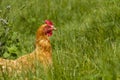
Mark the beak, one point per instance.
(54, 28)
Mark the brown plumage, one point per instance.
(42, 52)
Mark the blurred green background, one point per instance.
(86, 45)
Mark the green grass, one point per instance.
(86, 45)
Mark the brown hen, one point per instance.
(42, 53)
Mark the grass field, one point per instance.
(86, 45)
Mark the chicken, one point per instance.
(41, 54)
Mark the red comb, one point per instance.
(49, 23)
